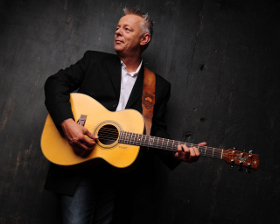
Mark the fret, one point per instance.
(125, 137)
(160, 143)
(148, 140)
(128, 137)
(166, 147)
(141, 139)
(133, 139)
(144, 140)
(157, 143)
(120, 138)
(152, 141)
(161, 146)
(213, 152)
(166, 144)
(205, 149)
(136, 138)
(176, 144)
(172, 145)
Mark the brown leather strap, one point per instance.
(148, 99)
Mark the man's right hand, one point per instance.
(75, 135)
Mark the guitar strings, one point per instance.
(164, 144)
(111, 134)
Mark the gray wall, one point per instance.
(222, 60)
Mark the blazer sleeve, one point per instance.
(159, 127)
(59, 86)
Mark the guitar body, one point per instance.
(99, 121)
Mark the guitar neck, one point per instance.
(166, 144)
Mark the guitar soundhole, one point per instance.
(108, 134)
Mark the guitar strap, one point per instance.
(148, 99)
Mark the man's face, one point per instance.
(128, 35)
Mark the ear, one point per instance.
(145, 39)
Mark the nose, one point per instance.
(119, 32)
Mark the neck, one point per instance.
(165, 144)
(131, 63)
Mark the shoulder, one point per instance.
(162, 81)
(100, 55)
(97, 57)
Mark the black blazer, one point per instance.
(99, 76)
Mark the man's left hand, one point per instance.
(187, 154)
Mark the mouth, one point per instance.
(118, 41)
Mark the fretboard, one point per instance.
(165, 144)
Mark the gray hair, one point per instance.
(147, 25)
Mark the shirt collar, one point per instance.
(132, 73)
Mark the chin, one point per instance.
(118, 49)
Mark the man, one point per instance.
(116, 81)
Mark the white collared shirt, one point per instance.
(127, 82)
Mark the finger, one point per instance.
(203, 143)
(90, 139)
(179, 148)
(194, 152)
(184, 153)
(179, 154)
(184, 149)
(90, 135)
(88, 142)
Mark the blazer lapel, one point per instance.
(137, 88)
(114, 69)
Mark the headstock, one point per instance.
(243, 159)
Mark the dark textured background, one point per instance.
(222, 58)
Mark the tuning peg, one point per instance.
(240, 167)
(251, 152)
(232, 162)
(249, 166)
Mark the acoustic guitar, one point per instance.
(120, 137)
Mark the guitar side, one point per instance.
(58, 151)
